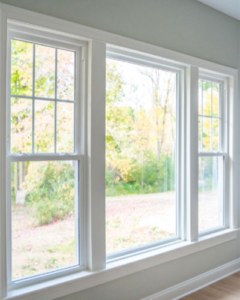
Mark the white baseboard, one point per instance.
(192, 285)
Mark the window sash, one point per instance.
(45, 42)
(221, 113)
(44, 157)
(79, 231)
(42, 98)
(201, 154)
(224, 202)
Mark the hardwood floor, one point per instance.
(225, 289)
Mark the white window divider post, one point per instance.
(192, 154)
(3, 237)
(96, 156)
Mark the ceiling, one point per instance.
(229, 7)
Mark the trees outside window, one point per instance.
(140, 155)
(43, 190)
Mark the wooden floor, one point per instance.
(225, 289)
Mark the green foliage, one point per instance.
(50, 190)
(21, 64)
(139, 151)
(150, 177)
(138, 161)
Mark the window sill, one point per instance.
(73, 283)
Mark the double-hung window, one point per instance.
(43, 162)
(212, 158)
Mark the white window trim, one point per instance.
(192, 153)
(63, 286)
(97, 41)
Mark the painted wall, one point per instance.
(185, 26)
(143, 284)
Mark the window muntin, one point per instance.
(44, 78)
(44, 183)
(141, 156)
(211, 163)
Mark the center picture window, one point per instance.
(141, 154)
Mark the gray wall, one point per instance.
(185, 26)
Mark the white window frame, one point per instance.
(223, 150)
(140, 59)
(38, 37)
(98, 272)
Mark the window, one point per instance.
(43, 164)
(211, 156)
(141, 156)
(109, 191)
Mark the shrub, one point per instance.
(143, 176)
(50, 190)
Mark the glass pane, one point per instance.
(200, 133)
(65, 75)
(65, 127)
(21, 68)
(45, 72)
(43, 217)
(215, 134)
(206, 134)
(207, 94)
(215, 99)
(44, 126)
(200, 97)
(21, 125)
(210, 192)
(140, 155)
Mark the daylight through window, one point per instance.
(43, 181)
(141, 166)
(211, 157)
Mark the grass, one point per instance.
(38, 249)
(135, 220)
(114, 190)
